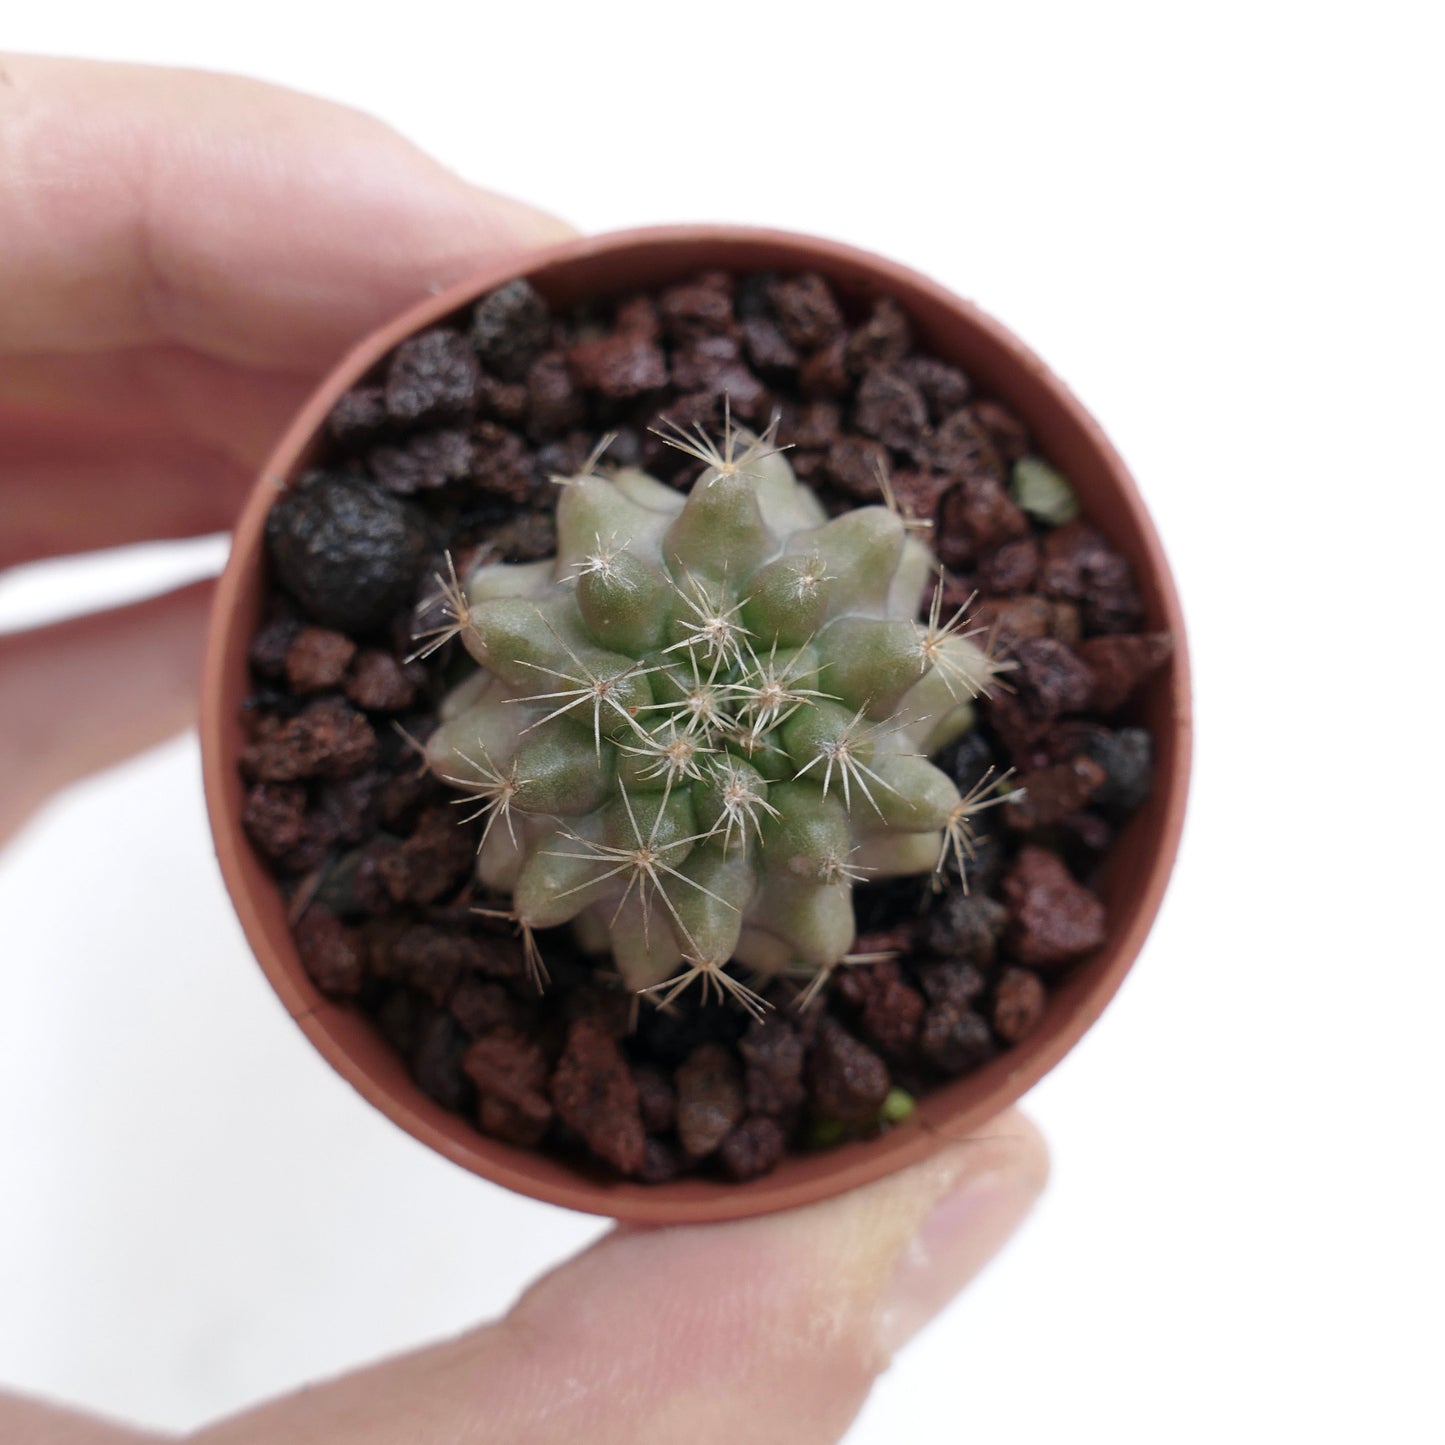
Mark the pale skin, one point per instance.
(183, 257)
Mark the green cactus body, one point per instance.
(700, 724)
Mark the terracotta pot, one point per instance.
(1135, 872)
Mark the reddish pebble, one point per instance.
(753, 1149)
(594, 1094)
(433, 960)
(815, 424)
(944, 388)
(510, 1072)
(317, 659)
(433, 861)
(1014, 619)
(709, 1098)
(854, 464)
(1007, 433)
(327, 738)
(974, 517)
(333, 955)
(379, 683)
(656, 1098)
(1019, 1000)
(480, 1006)
(891, 1010)
(1121, 663)
(503, 401)
(825, 372)
(805, 310)
(1050, 679)
(422, 462)
(773, 1065)
(553, 401)
(1011, 568)
(766, 346)
(962, 446)
(637, 316)
(888, 406)
(953, 1038)
(1053, 919)
(618, 366)
(697, 308)
(1046, 795)
(1023, 735)
(918, 491)
(524, 1122)
(883, 339)
(1077, 560)
(502, 463)
(847, 1081)
(275, 817)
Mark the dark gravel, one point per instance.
(453, 439)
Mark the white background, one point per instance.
(1219, 224)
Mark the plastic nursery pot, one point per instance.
(1131, 881)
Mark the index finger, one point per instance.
(140, 205)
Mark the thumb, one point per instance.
(766, 1330)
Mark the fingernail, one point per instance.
(966, 1228)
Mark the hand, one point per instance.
(184, 256)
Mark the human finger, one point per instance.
(76, 489)
(80, 695)
(29, 1422)
(769, 1330)
(246, 221)
(152, 390)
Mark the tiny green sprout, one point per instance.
(825, 1133)
(1042, 492)
(695, 731)
(898, 1105)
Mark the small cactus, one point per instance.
(698, 726)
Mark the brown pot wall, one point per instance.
(1136, 870)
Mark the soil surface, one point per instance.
(448, 446)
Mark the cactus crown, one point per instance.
(698, 726)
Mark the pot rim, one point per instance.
(947, 1113)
